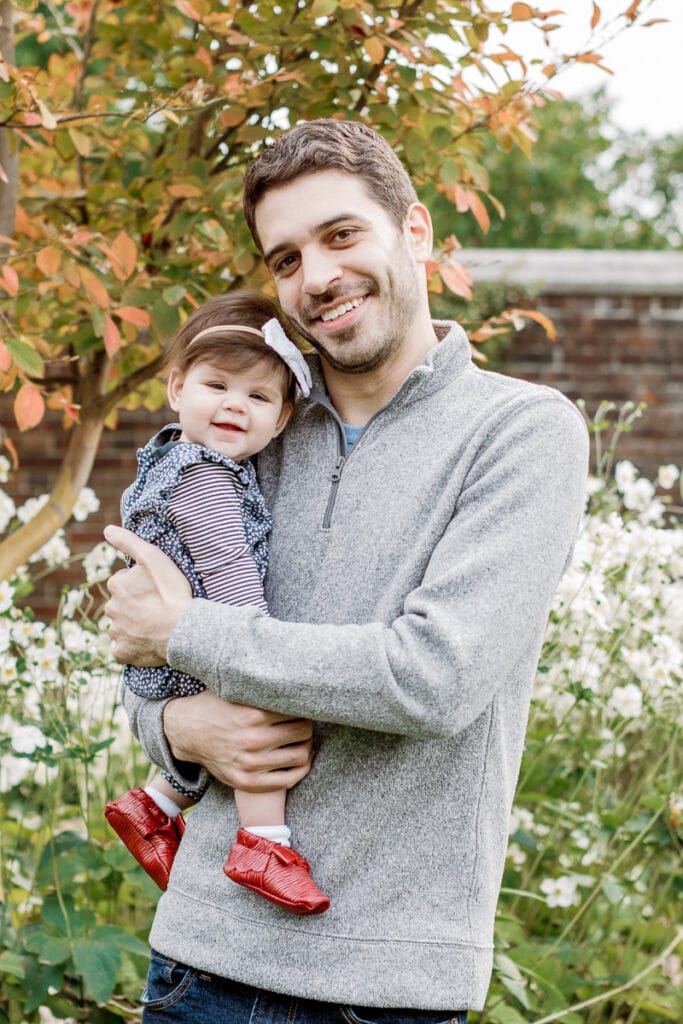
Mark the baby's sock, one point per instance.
(276, 833)
(168, 806)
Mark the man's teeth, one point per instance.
(334, 314)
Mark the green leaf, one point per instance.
(12, 963)
(26, 358)
(97, 961)
(51, 949)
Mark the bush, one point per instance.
(588, 927)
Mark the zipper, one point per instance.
(335, 477)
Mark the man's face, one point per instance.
(347, 276)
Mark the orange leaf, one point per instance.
(480, 212)
(10, 280)
(48, 260)
(596, 15)
(521, 12)
(184, 191)
(632, 12)
(5, 358)
(540, 318)
(374, 49)
(94, 288)
(112, 338)
(133, 315)
(457, 278)
(29, 407)
(126, 251)
(188, 9)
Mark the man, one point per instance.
(409, 585)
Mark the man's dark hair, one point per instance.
(325, 145)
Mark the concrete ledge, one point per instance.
(579, 271)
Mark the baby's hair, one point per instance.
(235, 350)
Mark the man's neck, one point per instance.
(358, 396)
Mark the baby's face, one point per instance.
(233, 412)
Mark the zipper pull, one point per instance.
(337, 469)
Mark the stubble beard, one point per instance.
(401, 299)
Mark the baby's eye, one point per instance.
(216, 385)
(258, 397)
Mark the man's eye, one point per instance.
(344, 234)
(285, 264)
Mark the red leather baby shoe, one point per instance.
(151, 836)
(275, 872)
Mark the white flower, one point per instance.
(638, 495)
(27, 738)
(627, 701)
(98, 562)
(7, 510)
(5, 467)
(522, 819)
(559, 892)
(8, 669)
(55, 552)
(71, 602)
(31, 508)
(516, 854)
(23, 631)
(86, 503)
(6, 595)
(625, 474)
(667, 476)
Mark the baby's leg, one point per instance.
(169, 799)
(262, 860)
(263, 814)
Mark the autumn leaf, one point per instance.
(189, 10)
(94, 288)
(374, 49)
(533, 314)
(126, 252)
(596, 15)
(10, 280)
(5, 358)
(457, 278)
(184, 191)
(29, 407)
(133, 315)
(112, 338)
(521, 12)
(48, 260)
(48, 119)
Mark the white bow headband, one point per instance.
(275, 338)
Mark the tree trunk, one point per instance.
(9, 153)
(74, 473)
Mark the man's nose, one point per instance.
(320, 270)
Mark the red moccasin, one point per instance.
(275, 872)
(151, 836)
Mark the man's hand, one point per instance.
(146, 600)
(244, 747)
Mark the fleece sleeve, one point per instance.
(480, 608)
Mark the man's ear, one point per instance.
(283, 419)
(174, 389)
(418, 228)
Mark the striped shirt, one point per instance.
(206, 510)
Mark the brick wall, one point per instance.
(619, 320)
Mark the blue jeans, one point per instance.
(185, 995)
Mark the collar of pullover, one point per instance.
(448, 359)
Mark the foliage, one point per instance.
(587, 184)
(134, 125)
(588, 928)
